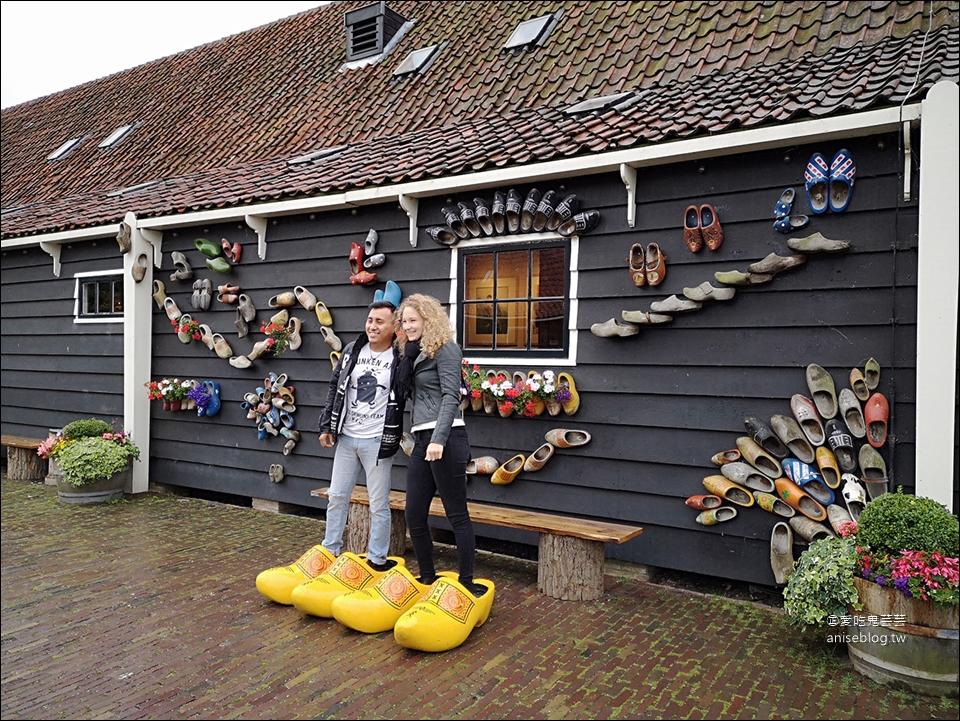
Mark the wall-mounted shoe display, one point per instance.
(692, 231)
(790, 223)
(851, 413)
(818, 243)
(716, 515)
(498, 212)
(781, 552)
(840, 442)
(545, 211)
(810, 530)
(231, 252)
(369, 244)
(529, 210)
(675, 304)
(876, 413)
(454, 223)
(507, 472)
(184, 271)
(785, 203)
(469, 220)
(614, 328)
(655, 263)
(207, 247)
(482, 212)
(822, 391)
(843, 172)
(710, 227)
(138, 270)
(579, 224)
(637, 262)
(565, 210)
(815, 179)
(774, 263)
(704, 502)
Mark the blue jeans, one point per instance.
(352, 456)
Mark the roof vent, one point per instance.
(369, 29)
(532, 33)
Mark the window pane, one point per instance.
(550, 273)
(117, 296)
(512, 274)
(511, 319)
(104, 297)
(548, 325)
(89, 298)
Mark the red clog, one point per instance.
(364, 277)
(704, 502)
(710, 227)
(876, 413)
(356, 259)
(692, 233)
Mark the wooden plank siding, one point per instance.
(658, 404)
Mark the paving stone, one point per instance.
(147, 609)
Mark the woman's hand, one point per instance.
(434, 452)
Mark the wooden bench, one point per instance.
(571, 550)
(23, 463)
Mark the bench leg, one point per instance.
(570, 569)
(23, 464)
(357, 535)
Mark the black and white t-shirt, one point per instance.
(367, 394)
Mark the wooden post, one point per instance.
(358, 530)
(23, 464)
(570, 569)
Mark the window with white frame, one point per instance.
(100, 297)
(514, 299)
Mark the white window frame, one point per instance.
(570, 359)
(79, 279)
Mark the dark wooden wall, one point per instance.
(54, 370)
(658, 404)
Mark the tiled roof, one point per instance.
(217, 124)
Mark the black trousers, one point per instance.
(446, 477)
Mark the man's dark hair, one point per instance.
(381, 304)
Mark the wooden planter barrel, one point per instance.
(100, 491)
(921, 654)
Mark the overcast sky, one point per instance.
(52, 46)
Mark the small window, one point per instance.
(531, 33)
(65, 148)
(514, 299)
(116, 136)
(101, 297)
(418, 61)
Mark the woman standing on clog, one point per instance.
(430, 372)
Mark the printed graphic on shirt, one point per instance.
(367, 394)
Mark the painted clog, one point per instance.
(278, 583)
(444, 618)
(793, 495)
(506, 473)
(349, 573)
(207, 247)
(728, 490)
(876, 414)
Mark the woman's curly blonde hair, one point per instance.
(437, 330)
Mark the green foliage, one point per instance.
(897, 522)
(93, 458)
(821, 584)
(89, 428)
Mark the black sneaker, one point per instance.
(381, 567)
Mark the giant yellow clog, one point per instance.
(277, 583)
(444, 617)
(377, 607)
(349, 573)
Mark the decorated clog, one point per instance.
(349, 573)
(444, 617)
(378, 607)
(277, 583)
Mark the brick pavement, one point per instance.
(147, 609)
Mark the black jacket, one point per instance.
(331, 419)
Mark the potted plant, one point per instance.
(92, 456)
(907, 577)
(888, 589)
(172, 391)
(474, 377)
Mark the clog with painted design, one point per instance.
(378, 607)
(277, 583)
(444, 617)
(349, 573)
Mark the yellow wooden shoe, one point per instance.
(277, 583)
(444, 617)
(572, 405)
(349, 573)
(376, 608)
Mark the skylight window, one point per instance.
(116, 136)
(65, 148)
(317, 155)
(418, 61)
(531, 33)
(131, 189)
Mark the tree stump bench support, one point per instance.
(23, 463)
(571, 550)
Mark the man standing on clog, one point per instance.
(363, 418)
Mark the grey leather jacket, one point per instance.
(436, 390)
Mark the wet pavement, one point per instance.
(147, 609)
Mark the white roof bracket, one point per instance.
(628, 174)
(907, 161)
(259, 225)
(411, 206)
(53, 250)
(154, 238)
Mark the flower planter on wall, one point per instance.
(922, 654)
